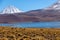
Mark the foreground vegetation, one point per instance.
(10, 33)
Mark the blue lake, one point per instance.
(33, 24)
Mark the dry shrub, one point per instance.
(3, 38)
(42, 38)
(27, 39)
(57, 38)
(10, 33)
(19, 38)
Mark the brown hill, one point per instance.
(31, 16)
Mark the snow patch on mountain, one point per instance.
(10, 10)
(55, 6)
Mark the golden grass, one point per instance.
(10, 33)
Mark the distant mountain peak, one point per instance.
(10, 10)
(58, 1)
(55, 6)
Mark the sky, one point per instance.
(26, 5)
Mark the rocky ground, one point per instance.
(10, 33)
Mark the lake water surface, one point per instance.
(33, 24)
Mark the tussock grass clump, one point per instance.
(10, 33)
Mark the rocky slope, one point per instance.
(31, 16)
(51, 13)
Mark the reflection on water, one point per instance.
(33, 24)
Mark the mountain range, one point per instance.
(12, 14)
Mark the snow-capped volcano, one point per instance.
(55, 6)
(10, 10)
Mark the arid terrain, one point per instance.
(31, 16)
(10, 33)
